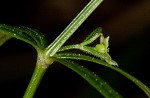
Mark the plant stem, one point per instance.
(35, 80)
(72, 27)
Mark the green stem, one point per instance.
(35, 80)
(72, 27)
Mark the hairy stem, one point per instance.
(72, 27)
(35, 80)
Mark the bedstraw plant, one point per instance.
(57, 52)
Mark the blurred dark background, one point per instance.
(127, 22)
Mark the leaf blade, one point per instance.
(31, 36)
(141, 85)
(93, 36)
(97, 82)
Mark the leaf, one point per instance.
(3, 38)
(101, 85)
(95, 60)
(93, 36)
(35, 34)
(31, 36)
(69, 55)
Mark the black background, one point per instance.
(126, 22)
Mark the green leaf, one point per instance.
(95, 60)
(101, 85)
(3, 38)
(93, 36)
(31, 36)
(36, 35)
(69, 55)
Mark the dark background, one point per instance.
(127, 22)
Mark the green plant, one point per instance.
(56, 52)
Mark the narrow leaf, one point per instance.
(95, 60)
(68, 47)
(101, 85)
(68, 55)
(31, 36)
(93, 36)
(35, 34)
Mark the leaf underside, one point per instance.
(31, 36)
(101, 85)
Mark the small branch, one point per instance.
(72, 27)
